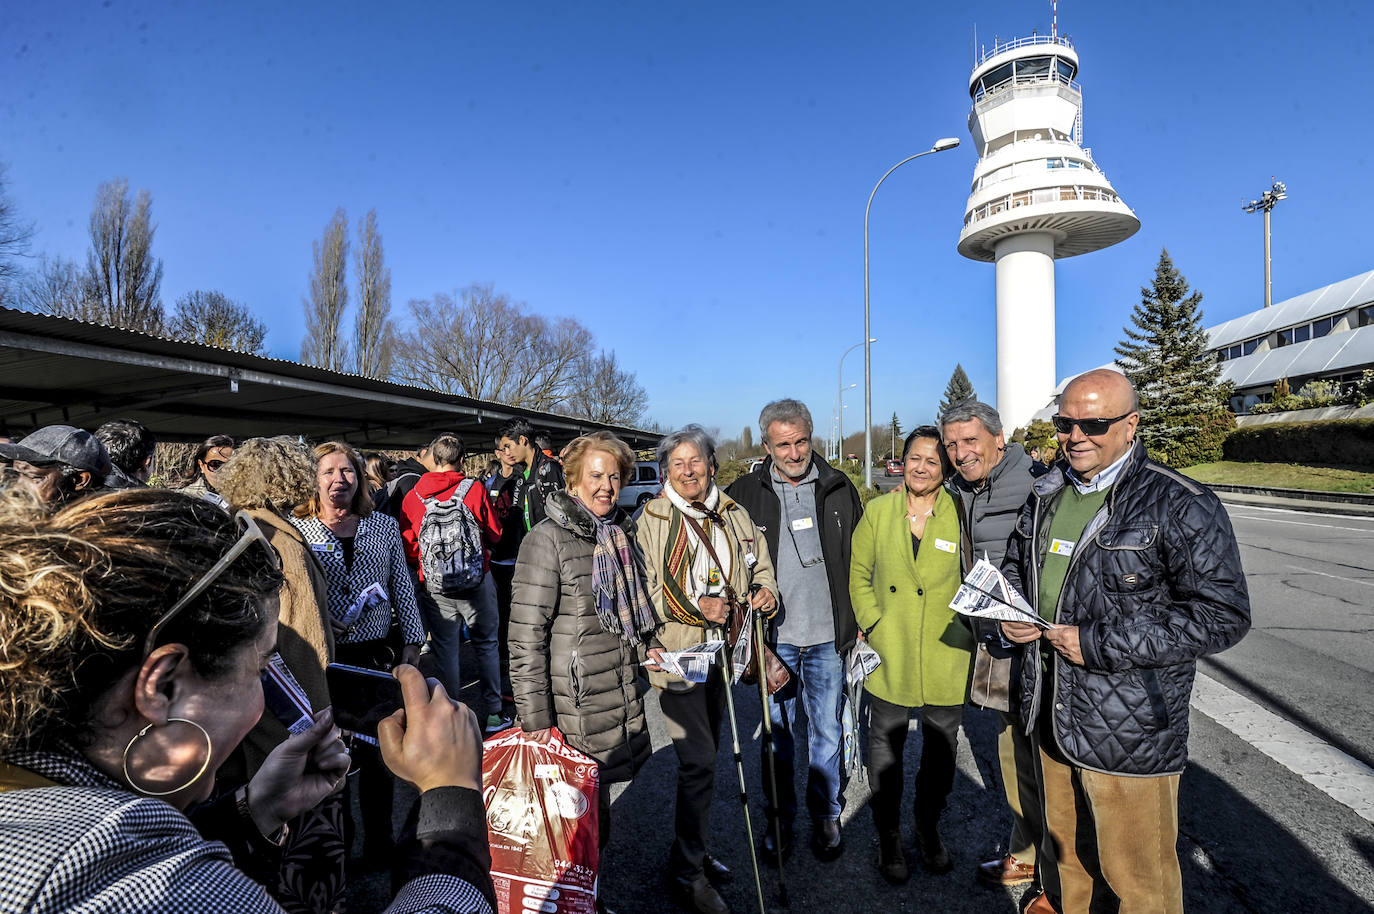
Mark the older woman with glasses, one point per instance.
(369, 589)
(908, 556)
(136, 626)
(699, 547)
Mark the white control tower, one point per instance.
(1037, 196)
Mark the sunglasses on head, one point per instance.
(252, 533)
(1091, 427)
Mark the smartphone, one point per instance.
(361, 697)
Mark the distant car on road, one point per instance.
(644, 486)
(755, 464)
(894, 468)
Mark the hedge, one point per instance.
(1343, 442)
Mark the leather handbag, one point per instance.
(776, 673)
(989, 685)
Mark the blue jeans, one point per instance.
(820, 672)
(444, 617)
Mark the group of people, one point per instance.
(119, 674)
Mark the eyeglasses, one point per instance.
(1091, 427)
(252, 533)
(214, 465)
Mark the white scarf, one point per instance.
(699, 581)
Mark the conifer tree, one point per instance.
(1183, 404)
(959, 389)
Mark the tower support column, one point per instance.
(1025, 326)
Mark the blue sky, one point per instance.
(689, 179)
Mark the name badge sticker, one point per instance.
(322, 547)
(750, 560)
(803, 523)
(1062, 547)
(945, 546)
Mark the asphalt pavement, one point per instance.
(1268, 821)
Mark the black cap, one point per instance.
(62, 444)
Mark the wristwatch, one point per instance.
(277, 838)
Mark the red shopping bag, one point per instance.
(541, 824)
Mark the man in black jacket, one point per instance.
(807, 511)
(1137, 572)
(993, 480)
(542, 477)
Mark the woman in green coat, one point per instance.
(908, 557)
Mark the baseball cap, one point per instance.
(62, 444)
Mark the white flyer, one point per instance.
(693, 663)
(985, 594)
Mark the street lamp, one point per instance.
(837, 419)
(839, 379)
(941, 145)
(1266, 203)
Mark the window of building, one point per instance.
(1322, 327)
(1286, 337)
(1367, 315)
(1250, 346)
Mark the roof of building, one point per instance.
(1309, 306)
(55, 370)
(1328, 354)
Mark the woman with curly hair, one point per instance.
(136, 626)
(267, 478)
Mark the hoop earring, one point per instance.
(209, 751)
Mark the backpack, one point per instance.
(450, 544)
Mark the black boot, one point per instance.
(769, 849)
(698, 896)
(934, 856)
(891, 858)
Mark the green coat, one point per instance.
(902, 602)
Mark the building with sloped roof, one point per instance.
(1326, 334)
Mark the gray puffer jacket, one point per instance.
(566, 670)
(1154, 583)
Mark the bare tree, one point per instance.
(374, 332)
(214, 319)
(608, 393)
(324, 309)
(123, 281)
(57, 287)
(15, 235)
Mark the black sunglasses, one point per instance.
(1091, 427)
(214, 464)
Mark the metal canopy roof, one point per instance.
(55, 370)
(1335, 352)
(1333, 299)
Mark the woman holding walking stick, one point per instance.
(699, 546)
(907, 560)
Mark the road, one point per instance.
(1256, 835)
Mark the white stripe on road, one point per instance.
(1346, 780)
(1298, 523)
(1325, 575)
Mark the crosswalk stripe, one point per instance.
(1341, 777)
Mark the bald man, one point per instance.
(1136, 570)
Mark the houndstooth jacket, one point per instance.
(89, 846)
(378, 558)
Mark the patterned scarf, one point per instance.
(689, 573)
(622, 600)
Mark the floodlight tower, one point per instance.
(1037, 196)
(1265, 204)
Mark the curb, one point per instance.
(1348, 504)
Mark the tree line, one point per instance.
(474, 341)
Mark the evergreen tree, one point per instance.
(957, 390)
(1183, 404)
(894, 436)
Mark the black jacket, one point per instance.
(545, 478)
(1154, 583)
(839, 510)
(389, 497)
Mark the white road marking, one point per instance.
(1325, 575)
(1341, 777)
(1298, 523)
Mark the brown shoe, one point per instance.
(1040, 904)
(1006, 871)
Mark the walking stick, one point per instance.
(739, 766)
(772, 752)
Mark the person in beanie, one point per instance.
(59, 463)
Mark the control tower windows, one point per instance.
(1025, 70)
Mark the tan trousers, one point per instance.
(1110, 841)
(1016, 754)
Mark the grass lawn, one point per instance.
(1284, 476)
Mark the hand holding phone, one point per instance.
(433, 741)
(361, 697)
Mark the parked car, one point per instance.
(645, 485)
(894, 468)
(755, 464)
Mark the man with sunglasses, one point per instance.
(1136, 572)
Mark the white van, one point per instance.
(645, 485)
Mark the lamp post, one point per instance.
(837, 421)
(839, 398)
(941, 145)
(1266, 203)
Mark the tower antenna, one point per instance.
(1054, 19)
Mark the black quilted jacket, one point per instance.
(1154, 583)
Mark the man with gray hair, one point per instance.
(993, 480)
(807, 511)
